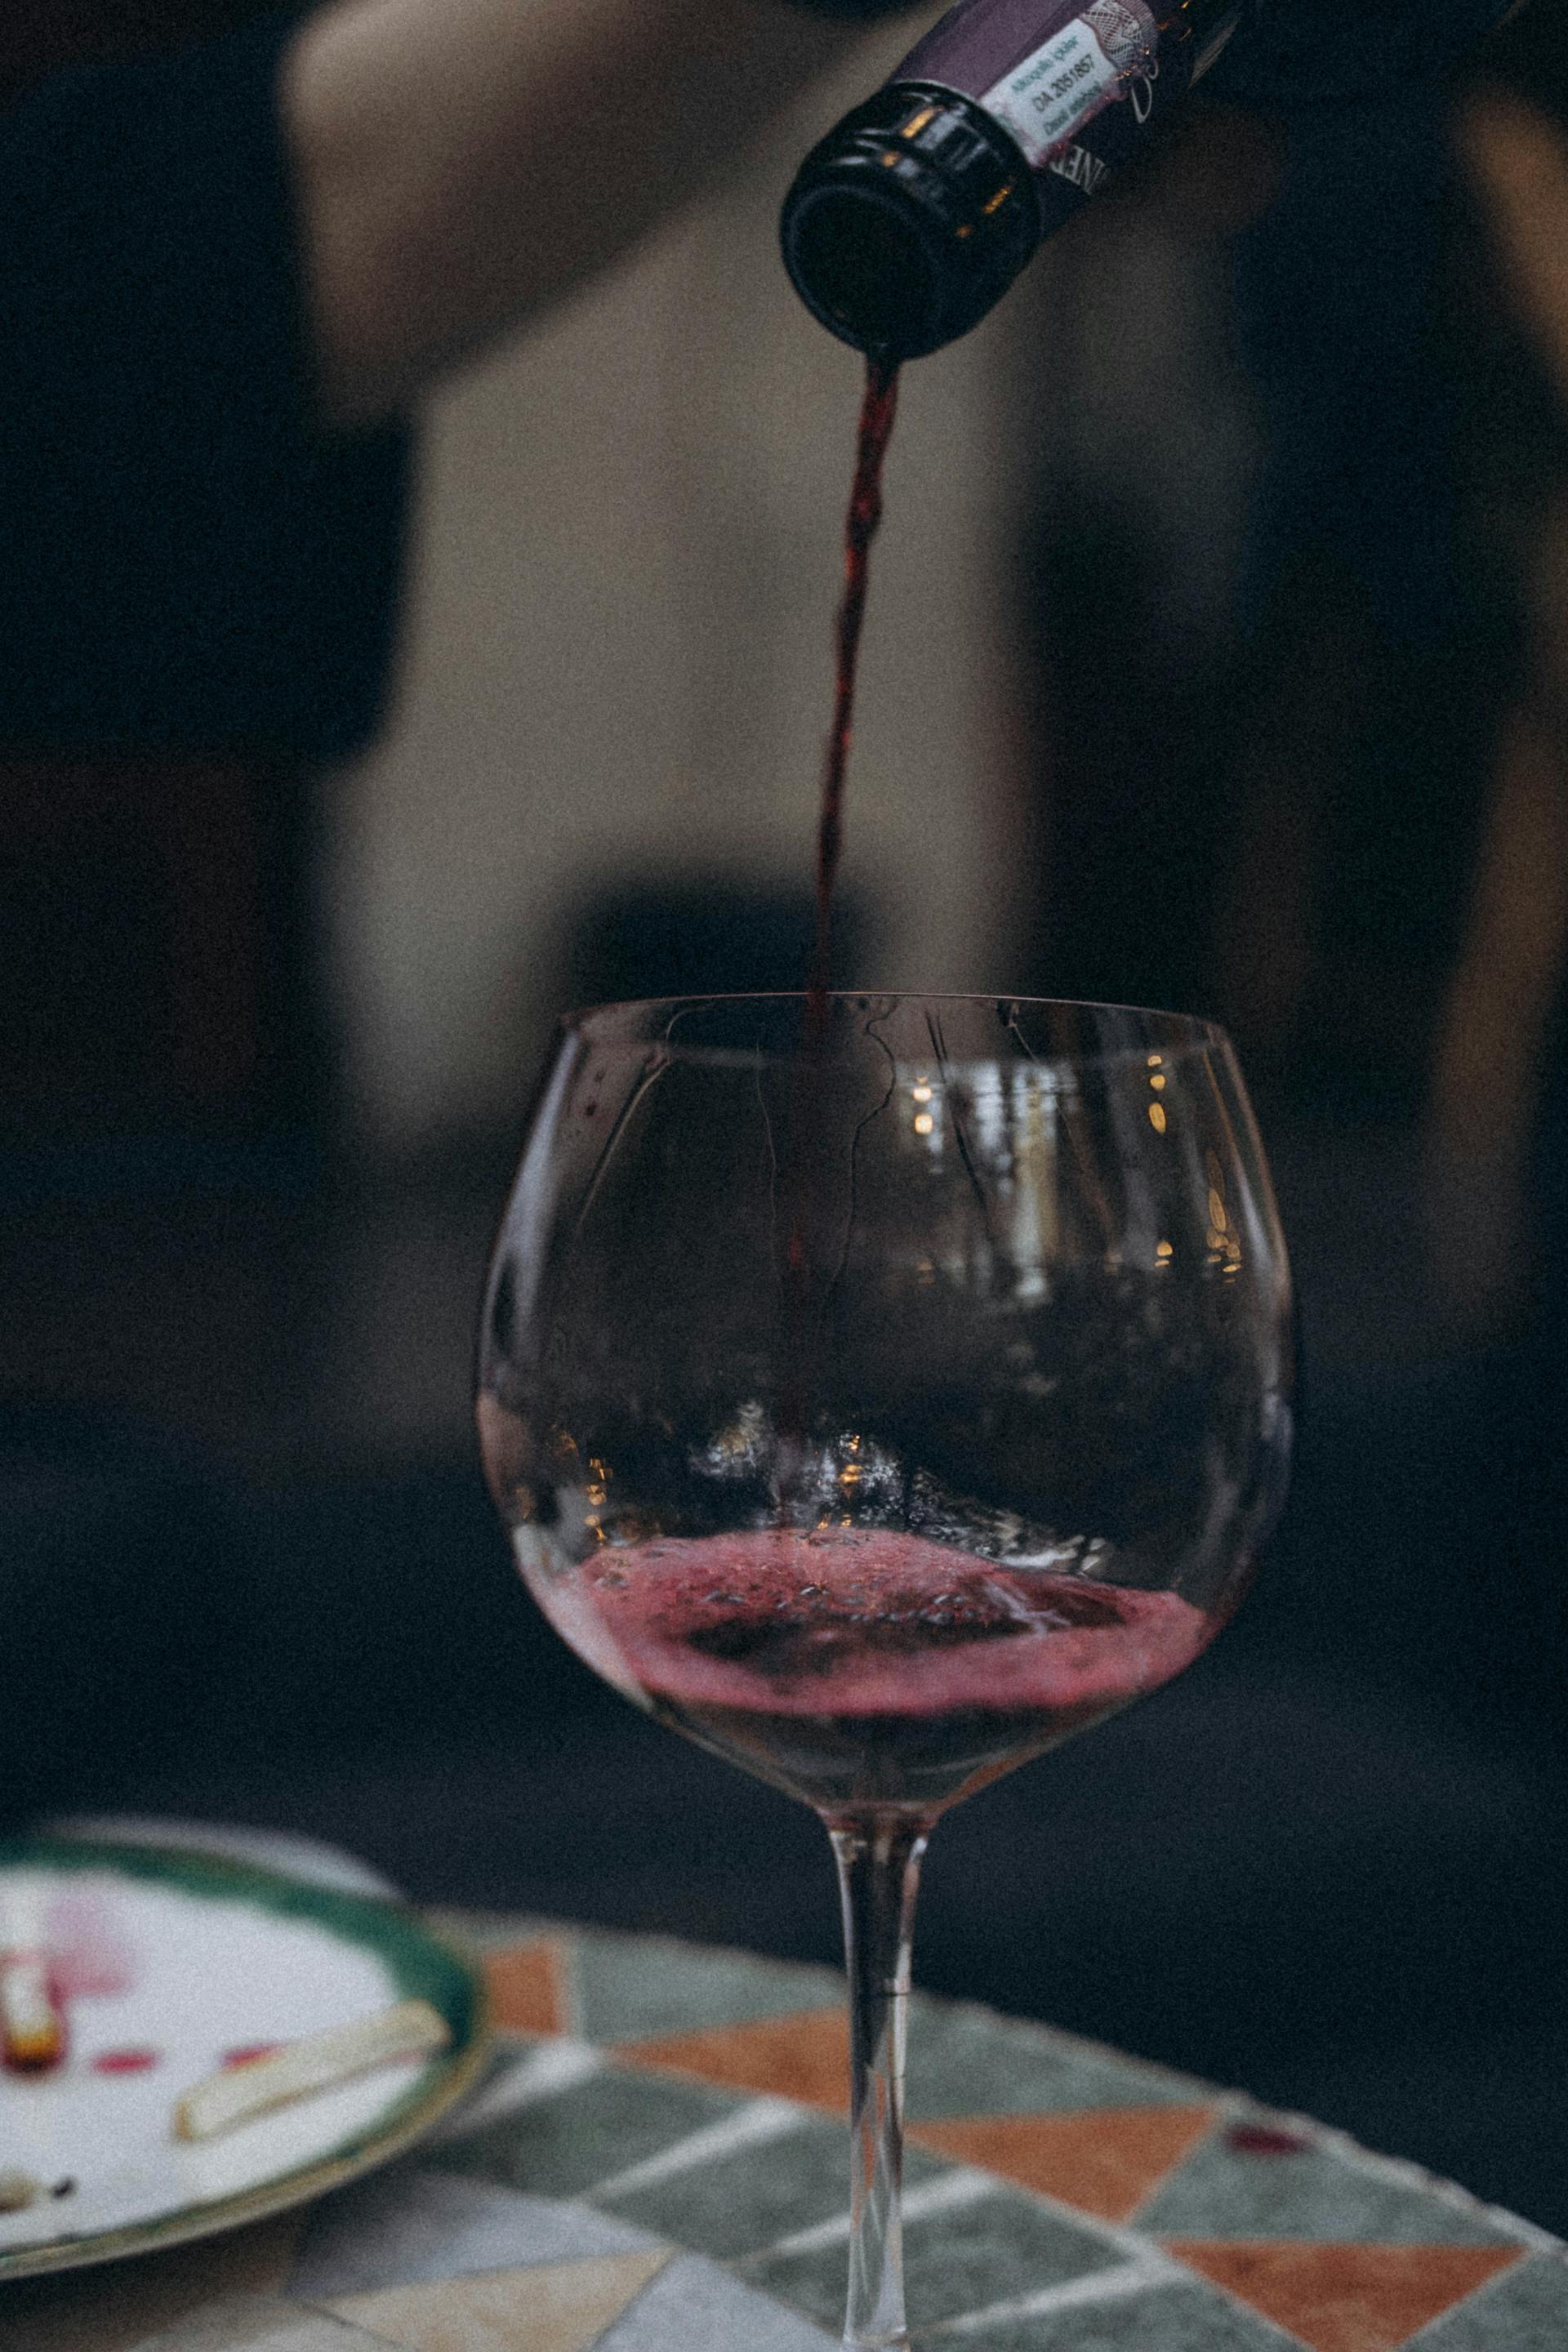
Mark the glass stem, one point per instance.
(878, 1878)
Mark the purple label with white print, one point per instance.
(1074, 86)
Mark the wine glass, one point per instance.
(879, 1388)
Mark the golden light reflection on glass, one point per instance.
(924, 1123)
(1157, 1117)
(920, 1094)
(849, 1477)
(1164, 1251)
(1156, 1060)
(1157, 1083)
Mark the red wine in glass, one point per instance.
(865, 1670)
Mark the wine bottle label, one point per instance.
(982, 45)
(1108, 53)
(1075, 87)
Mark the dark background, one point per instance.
(250, 1569)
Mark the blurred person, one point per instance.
(226, 271)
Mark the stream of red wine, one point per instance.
(798, 1175)
(879, 406)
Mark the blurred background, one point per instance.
(1217, 656)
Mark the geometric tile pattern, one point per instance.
(695, 2307)
(408, 2225)
(632, 1988)
(564, 2143)
(803, 2056)
(1346, 2298)
(1235, 2188)
(966, 2060)
(551, 2307)
(985, 2250)
(1106, 2161)
(729, 2201)
(656, 2164)
(1185, 2317)
(270, 2327)
(1522, 2309)
(527, 1988)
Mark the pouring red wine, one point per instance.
(881, 1389)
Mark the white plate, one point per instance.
(209, 1958)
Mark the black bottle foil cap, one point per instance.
(908, 222)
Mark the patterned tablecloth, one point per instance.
(656, 2164)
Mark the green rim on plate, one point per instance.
(422, 1964)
